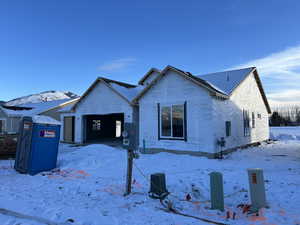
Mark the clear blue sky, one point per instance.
(65, 45)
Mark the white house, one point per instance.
(174, 111)
(101, 112)
(183, 113)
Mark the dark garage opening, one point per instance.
(104, 128)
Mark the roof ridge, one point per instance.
(127, 85)
(251, 67)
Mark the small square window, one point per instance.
(96, 125)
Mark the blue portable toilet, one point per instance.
(38, 142)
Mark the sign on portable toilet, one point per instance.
(38, 142)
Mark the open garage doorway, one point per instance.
(105, 129)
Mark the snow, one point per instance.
(89, 186)
(37, 108)
(128, 93)
(42, 97)
(285, 133)
(226, 81)
(45, 120)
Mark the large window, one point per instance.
(172, 121)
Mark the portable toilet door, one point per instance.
(24, 145)
(44, 149)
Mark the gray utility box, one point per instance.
(257, 189)
(158, 187)
(216, 191)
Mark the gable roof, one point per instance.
(220, 84)
(124, 90)
(197, 80)
(227, 81)
(152, 70)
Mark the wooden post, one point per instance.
(129, 171)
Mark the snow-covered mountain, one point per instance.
(46, 96)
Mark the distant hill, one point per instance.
(46, 96)
(2, 102)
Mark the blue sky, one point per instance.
(65, 45)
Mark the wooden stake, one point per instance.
(129, 171)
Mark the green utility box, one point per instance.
(216, 191)
(158, 187)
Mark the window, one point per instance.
(173, 121)
(258, 115)
(253, 120)
(96, 125)
(246, 119)
(228, 128)
(166, 121)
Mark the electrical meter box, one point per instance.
(37, 147)
(129, 136)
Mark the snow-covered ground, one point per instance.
(88, 189)
(285, 133)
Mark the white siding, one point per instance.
(173, 89)
(101, 100)
(248, 97)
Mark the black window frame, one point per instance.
(160, 122)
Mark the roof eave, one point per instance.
(141, 81)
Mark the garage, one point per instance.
(104, 128)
